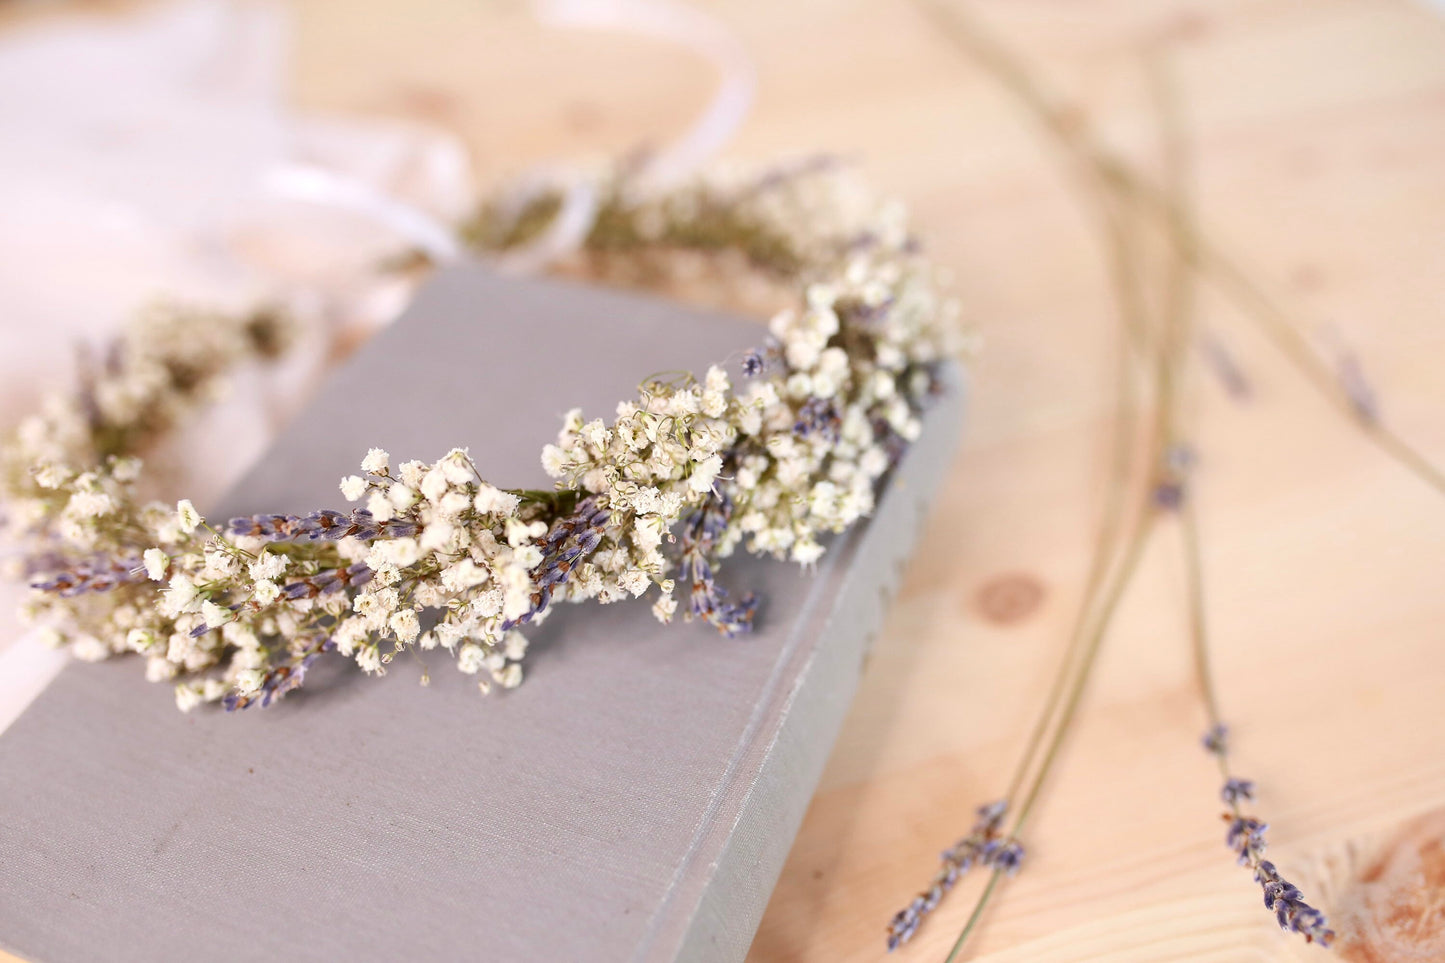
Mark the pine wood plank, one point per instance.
(1320, 140)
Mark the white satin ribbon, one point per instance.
(565, 234)
(317, 185)
(687, 27)
(668, 167)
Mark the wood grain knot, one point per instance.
(1009, 598)
(1393, 911)
(583, 117)
(431, 103)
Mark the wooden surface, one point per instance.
(1320, 131)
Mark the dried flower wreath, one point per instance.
(434, 555)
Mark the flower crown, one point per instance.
(772, 457)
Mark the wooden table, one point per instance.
(1320, 138)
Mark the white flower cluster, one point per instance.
(241, 615)
(61, 471)
(471, 558)
(773, 458)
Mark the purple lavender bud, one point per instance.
(1008, 857)
(1246, 837)
(753, 364)
(1226, 369)
(1357, 389)
(1236, 789)
(1168, 496)
(819, 416)
(1290, 910)
(991, 815)
(1216, 740)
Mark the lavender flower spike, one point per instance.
(95, 575)
(981, 847)
(1245, 837)
(326, 525)
(1290, 909)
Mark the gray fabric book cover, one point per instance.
(634, 799)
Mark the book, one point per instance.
(633, 799)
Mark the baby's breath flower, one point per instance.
(187, 517)
(267, 565)
(402, 496)
(214, 615)
(180, 595)
(189, 695)
(376, 462)
(380, 507)
(491, 500)
(470, 658)
(353, 487)
(51, 475)
(368, 657)
(405, 626)
(807, 551)
(90, 504)
(156, 563)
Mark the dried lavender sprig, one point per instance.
(1246, 833)
(982, 846)
(326, 525)
(1290, 909)
(708, 599)
(1245, 837)
(1005, 853)
(571, 540)
(100, 574)
(328, 582)
(279, 680)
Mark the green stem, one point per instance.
(1132, 322)
(1198, 625)
(974, 916)
(1133, 554)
